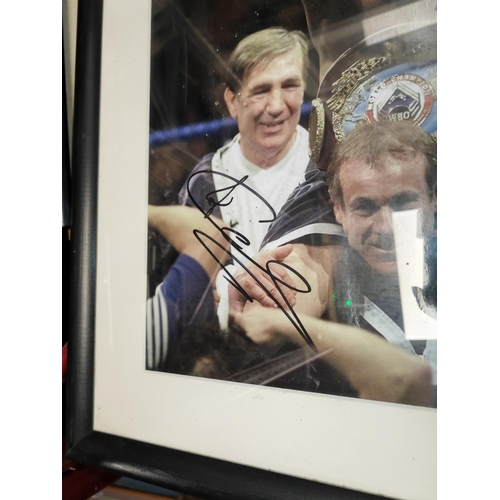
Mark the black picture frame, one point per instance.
(182, 471)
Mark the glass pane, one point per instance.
(302, 136)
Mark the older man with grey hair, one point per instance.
(265, 90)
(247, 181)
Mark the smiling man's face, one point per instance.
(371, 194)
(267, 108)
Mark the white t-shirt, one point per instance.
(274, 184)
(242, 210)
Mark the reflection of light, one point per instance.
(419, 319)
(348, 303)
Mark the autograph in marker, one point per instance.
(239, 242)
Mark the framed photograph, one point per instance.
(155, 98)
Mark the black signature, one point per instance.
(237, 252)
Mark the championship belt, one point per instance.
(393, 79)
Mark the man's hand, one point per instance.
(375, 368)
(265, 274)
(263, 325)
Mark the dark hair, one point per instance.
(206, 351)
(372, 141)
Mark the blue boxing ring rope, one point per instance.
(203, 129)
